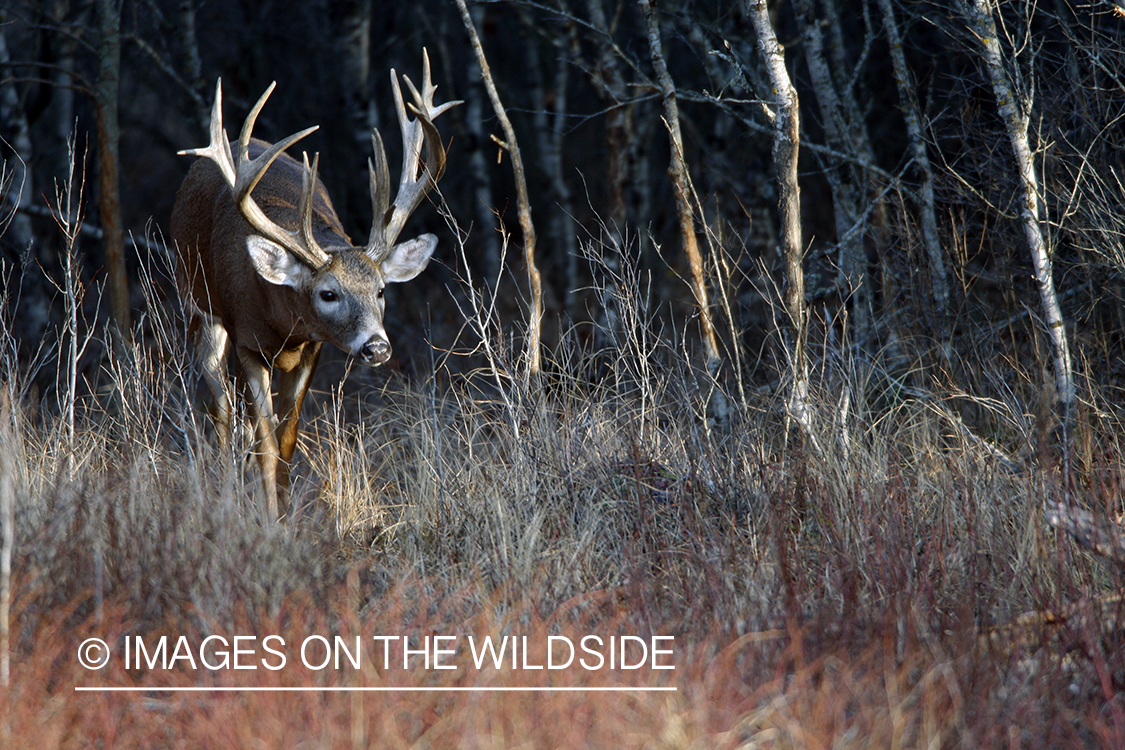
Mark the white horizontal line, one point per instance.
(229, 689)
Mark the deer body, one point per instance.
(267, 271)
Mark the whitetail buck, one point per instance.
(265, 267)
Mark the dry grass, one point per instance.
(866, 595)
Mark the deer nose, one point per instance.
(375, 352)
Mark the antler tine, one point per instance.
(218, 150)
(308, 194)
(251, 171)
(244, 174)
(413, 187)
(435, 149)
(425, 100)
(411, 146)
(251, 119)
(423, 107)
(379, 176)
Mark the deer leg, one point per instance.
(291, 389)
(256, 377)
(212, 345)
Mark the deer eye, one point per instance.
(328, 295)
(380, 294)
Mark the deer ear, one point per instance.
(408, 259)
(274, 263)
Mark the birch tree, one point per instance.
(785, 118)
(846, 135)
(717, 403)
(1015, 107)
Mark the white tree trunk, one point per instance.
(846, 182)
(983, 25)
(786, 144)
(717, 403)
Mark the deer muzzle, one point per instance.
(376, 351)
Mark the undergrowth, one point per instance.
(868, 585)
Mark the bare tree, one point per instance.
(912, 113)
(109, 184)
(718, 406)
(784, 114)
(1015, 107)
(535, 317)
(845, 132)
(189, 49)
(609, 80)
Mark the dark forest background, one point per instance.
(577, 80)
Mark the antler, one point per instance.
(389, 219)
(242, 176)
